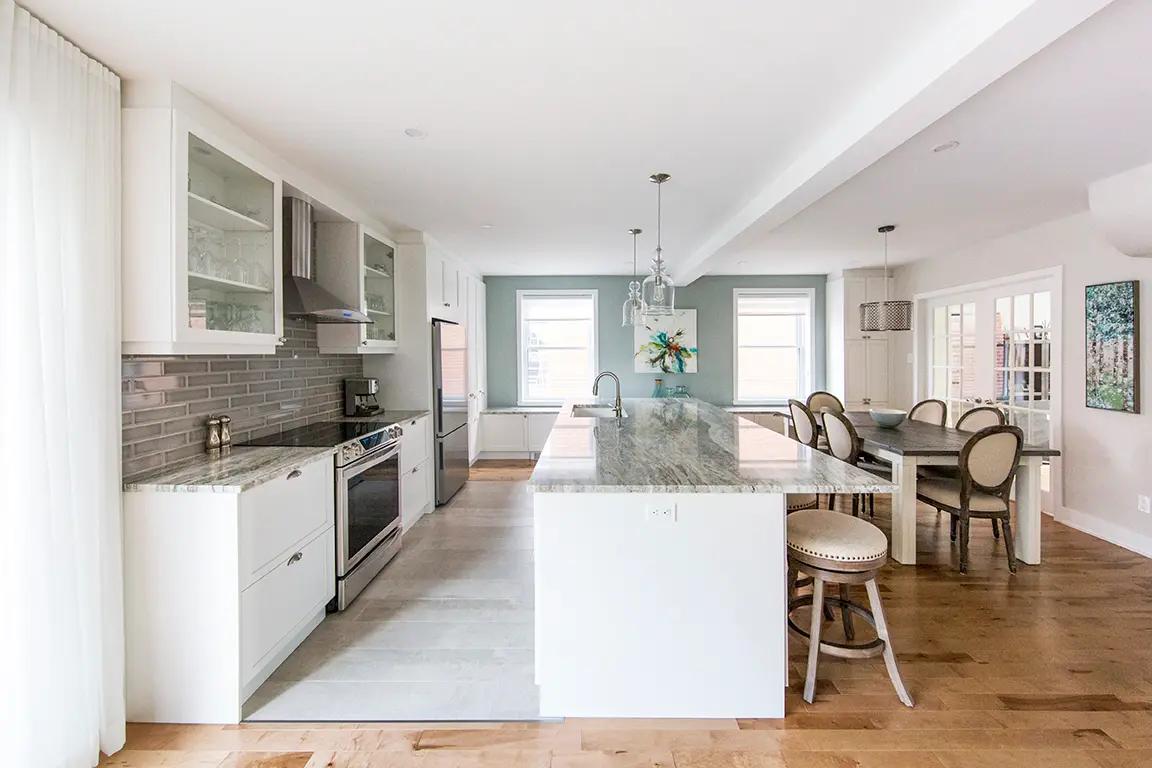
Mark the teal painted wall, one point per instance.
(711, 297)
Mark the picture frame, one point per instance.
(1112, 346)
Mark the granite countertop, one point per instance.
(686, 446)
(234, 472)
(524, 409)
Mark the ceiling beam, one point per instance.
(986, 41)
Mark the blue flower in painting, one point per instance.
(668, 352)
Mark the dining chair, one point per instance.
(818, 401)
(988, 463)
(844, 443)
(979, 418)
(804, 424)
(930, 412)
(971, 421)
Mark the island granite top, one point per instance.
(686, 446)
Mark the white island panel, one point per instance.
(638, 615)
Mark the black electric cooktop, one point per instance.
(319, 435)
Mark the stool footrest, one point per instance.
(866, 650)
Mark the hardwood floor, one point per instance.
(1051, 667)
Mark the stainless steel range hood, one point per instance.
(303, 296)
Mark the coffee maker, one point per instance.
(360, 397)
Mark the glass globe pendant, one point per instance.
(658, 293)
(633, 306)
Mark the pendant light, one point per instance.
(658, 291)
(633, 306)
(886, 315)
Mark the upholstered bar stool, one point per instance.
(833, 548)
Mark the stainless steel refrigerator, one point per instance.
(450, 407)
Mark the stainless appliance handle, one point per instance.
(296, 558)
(368, 460)
(294, 474)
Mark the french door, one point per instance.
(996, 344)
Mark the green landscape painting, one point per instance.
(1112, 318)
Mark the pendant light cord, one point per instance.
(659, 227)
(885, 269)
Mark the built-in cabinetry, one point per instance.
(220, 588)
(358, 266)
(417, 475)
(477, 361)
(515, 434)
(858, 362)
(201, 233)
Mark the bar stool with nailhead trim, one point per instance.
(835, 548)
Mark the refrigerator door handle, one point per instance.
(441, 447)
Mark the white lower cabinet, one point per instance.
(515, 433)
(220, 588)
(417, 484)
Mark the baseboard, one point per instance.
(1109, 532)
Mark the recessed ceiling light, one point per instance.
(741, 263)
(485, 226)
(415, 133)
(946, 146)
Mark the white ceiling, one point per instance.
(1030, 143)
(544, 120)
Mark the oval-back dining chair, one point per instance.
(930, 412)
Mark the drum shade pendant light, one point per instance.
(633, 305)
(886, 315)
(658, 291)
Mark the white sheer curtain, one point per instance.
(61, 590)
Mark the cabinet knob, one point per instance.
(282, 340)
(447, 304)
(294, 474)
(364, 343)
(296, 558)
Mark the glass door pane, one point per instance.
(231, 271)
(379, 289)
(1023, 360)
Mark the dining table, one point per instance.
(914, 444)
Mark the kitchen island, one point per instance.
(660, 560)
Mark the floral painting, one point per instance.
(1112, 346)
(667, 344)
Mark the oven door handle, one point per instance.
(364, 462)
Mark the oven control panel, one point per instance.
(353, 450)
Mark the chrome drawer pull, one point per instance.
(295, 558)
(294, 474)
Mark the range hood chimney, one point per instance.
(303, 296)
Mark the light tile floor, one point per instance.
(444, 632)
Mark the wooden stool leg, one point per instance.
(1009, 545)
(855, 505)
(872, 505)
(814, 638)
(953, 521)
(882, 633)
(846, 615)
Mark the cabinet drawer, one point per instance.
(279, 513)
(414, 494)
(414, 446)
(291, 592)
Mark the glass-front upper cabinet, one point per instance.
(231, 264)
(379, 289)
(202, 237)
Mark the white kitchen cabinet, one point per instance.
(220, 588)
(539, 426)
(504, 432)
(866, 384)
(858, 361)
(417, 483)
(201, 241)
(447, 292)
(358, 266)
(477, 363)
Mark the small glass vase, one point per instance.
(658, 388)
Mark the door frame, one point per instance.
(921, 337)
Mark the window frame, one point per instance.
(807, 348)
(522, 349)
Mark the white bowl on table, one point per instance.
(887, 417)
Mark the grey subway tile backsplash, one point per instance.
(167, 400)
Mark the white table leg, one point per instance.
(1028, 494)
(903, 509)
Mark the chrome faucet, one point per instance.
(617, 406)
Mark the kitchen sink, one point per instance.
(596, 411)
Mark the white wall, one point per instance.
(1107, 455)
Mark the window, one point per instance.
(773, 344)
(557, 345)
(953, 346)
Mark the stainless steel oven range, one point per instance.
(368, 531)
